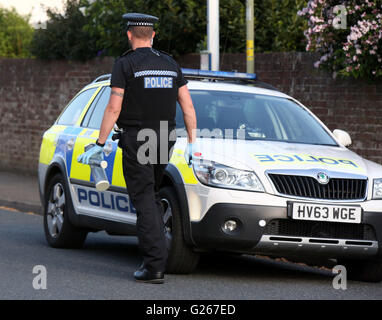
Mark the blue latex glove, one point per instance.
(192, 151)
(85, 157)
(188, 153)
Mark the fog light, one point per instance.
(221, 175)
(230, 225)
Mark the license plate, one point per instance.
(325, 212)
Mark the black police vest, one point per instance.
(152, 89)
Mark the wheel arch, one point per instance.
(173, 178)
(58, 167)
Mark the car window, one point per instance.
(88, 114)
(253, 117)
(97, 112)
(74, 109)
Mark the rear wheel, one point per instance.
(59, 232)
(360, 270)
(181, 259)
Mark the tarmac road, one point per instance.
(103, 270)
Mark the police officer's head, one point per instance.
(140, 28)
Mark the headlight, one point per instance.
(218, 175)
(377, 189)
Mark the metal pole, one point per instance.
(250, 37)
(213, 32)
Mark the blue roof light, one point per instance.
(219, 74)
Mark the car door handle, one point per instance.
(108, 149)
(70, 144)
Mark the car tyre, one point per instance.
(361, 270)
(181, 258)
(59, 232)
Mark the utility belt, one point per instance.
(141, 126)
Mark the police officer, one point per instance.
(145, 85)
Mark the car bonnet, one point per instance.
(261, 156)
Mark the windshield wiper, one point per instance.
(313, 143)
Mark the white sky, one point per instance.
(33, 7)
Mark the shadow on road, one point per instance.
(257, 267)
(122, 251)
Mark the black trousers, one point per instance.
(143, 182)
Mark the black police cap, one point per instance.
(139, 19)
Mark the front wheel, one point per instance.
(59, 232)
(181, 258)
(360, 270)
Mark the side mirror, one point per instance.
(343, 137)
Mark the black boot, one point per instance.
(144, 275)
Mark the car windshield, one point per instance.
(240, 115)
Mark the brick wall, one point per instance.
(33, 92)
(32, 95)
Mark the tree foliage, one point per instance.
(15, 34)
(278, 27)
(183, 24)
(64, 36)
(182, 27)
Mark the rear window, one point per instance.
(94, 116)
(74, 109)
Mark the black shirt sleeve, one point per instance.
(181, 81)
(118, 78)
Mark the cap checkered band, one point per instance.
(155, 73)
(145, 24)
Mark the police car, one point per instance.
(270, 179)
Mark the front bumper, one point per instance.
(283, 236)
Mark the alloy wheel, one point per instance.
(167, 221)
(55, 210)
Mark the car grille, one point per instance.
(318, 229)
(308, 187)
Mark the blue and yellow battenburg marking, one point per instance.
(56, 143)
(158, 82)
(83, 172)
(49, 143)
(277, 159)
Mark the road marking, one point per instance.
(15, 210)
(9, 209)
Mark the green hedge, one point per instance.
(64, 36)
(181, 30)
(15, 34)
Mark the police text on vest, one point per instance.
(158, 82)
